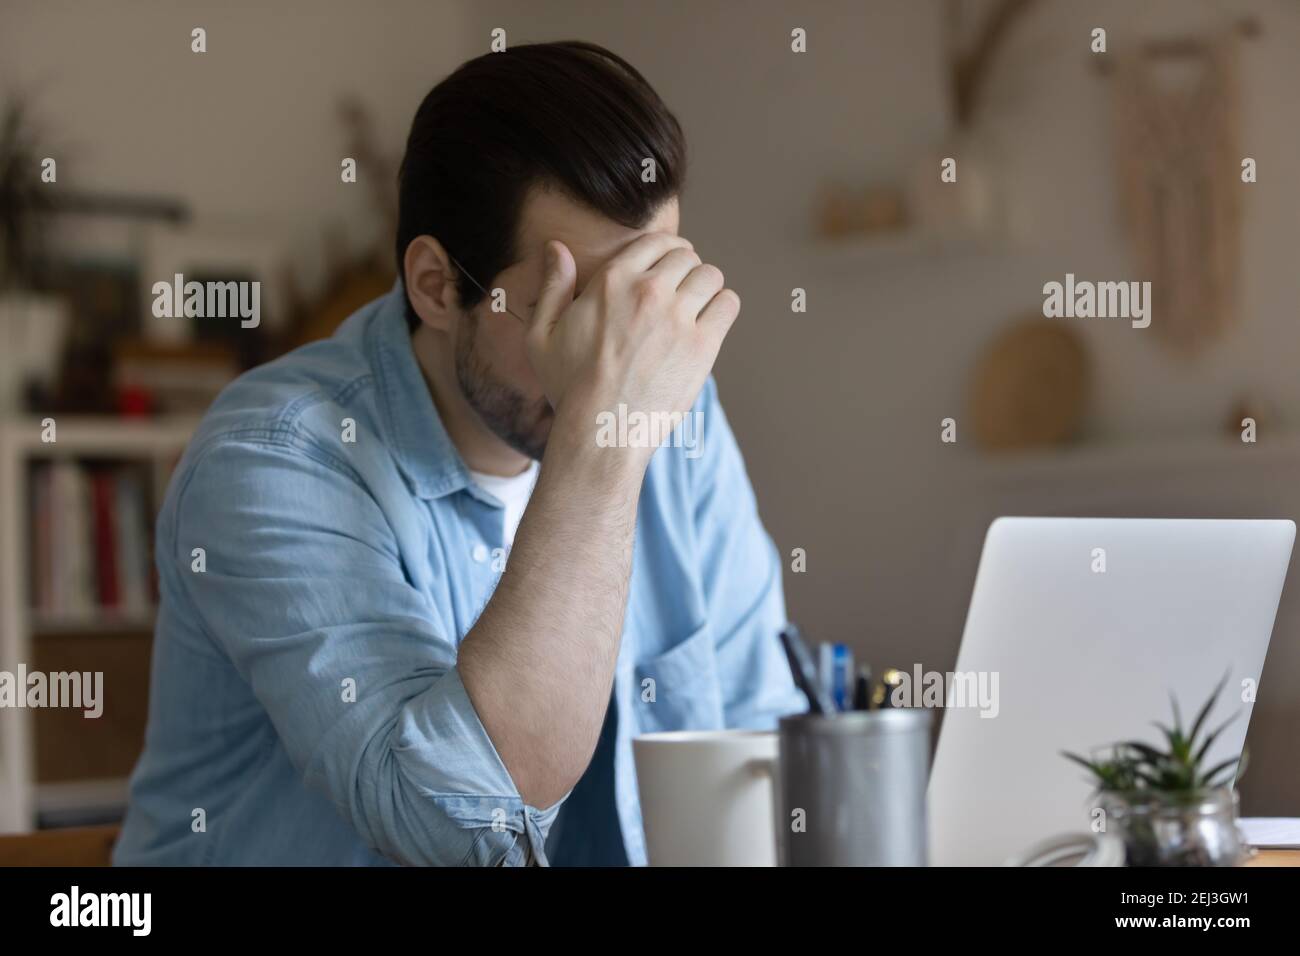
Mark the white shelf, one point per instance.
(98, 620)
(890, 248)
(91, 435)
(155, 442)
(76, 795)
(1193, 452)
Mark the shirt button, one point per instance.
(480, 553)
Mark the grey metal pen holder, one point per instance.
(851, 788)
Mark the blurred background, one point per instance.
(816, 171)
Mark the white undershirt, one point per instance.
(513, 492)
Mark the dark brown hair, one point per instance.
(570, 115)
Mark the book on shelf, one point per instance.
(89, 540)
(104, 496)
(133, 544)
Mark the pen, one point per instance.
(862, 689)
(804, 671)
(824, 656)
(842, 676)
(835, 673)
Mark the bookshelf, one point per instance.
(89, 638)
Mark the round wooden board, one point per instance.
(1030, 387)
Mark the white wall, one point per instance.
(246, 132)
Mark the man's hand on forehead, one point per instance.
(644, 332)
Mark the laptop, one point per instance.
(1085, 626)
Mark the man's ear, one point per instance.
(431, 283)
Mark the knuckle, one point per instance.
(649, 292)
(712, 274)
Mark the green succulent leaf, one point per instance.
(1208, 706)
(1146, 750)
(1218, 777)
(1134, 766)
(1213, 736)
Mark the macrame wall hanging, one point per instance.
(1180, 182)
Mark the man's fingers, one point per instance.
(643, 252)
(699, 286)
(717, 317)
(556, 294)
(673, 268)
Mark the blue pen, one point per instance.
(826, 670)
(835, 673)
(842, 677)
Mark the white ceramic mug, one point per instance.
(707, 797)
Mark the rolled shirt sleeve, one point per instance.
(292, 569)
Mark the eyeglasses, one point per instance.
(479, 286)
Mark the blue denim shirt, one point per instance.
(322, 552)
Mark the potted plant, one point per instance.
(1167, 805)
(32, 322)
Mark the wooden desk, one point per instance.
(1276, 858)
(79, 846)
(91, 846)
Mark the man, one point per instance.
(359, 658)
